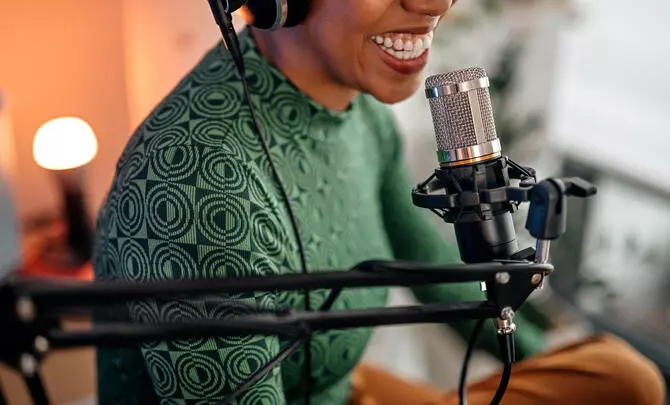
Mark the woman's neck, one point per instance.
(288, 53)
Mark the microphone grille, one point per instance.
(455, 121)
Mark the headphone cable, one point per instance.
(232, 43)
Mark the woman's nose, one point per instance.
(428, 7)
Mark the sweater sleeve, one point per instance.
(414, 237)
(198, 214)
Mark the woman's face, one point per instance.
(378, 47)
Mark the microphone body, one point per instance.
(469, 153)
(484, 232)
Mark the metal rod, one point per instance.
(376, 274)
(36, 389)
(542, 251)
(122, 335)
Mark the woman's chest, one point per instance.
(334, 187)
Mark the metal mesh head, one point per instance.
(452, 115)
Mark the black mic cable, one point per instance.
(224, 19)
(462, 383)
(506, 344)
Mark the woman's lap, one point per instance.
(602, 369)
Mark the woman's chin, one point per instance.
(393, 94)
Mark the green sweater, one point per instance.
(193, 197)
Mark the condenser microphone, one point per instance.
(470, 157)
(460, 104)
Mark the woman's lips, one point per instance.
(405, 53)
(403, 66)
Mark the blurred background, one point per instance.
(576, 92)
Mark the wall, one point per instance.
(163, 39)
(611, 108)
(63, 58)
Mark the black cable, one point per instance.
(504, 380)
(328, 304)
(462, 391)
(508, 353)
(281, 356)
(232, 42)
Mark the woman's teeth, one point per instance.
(404, 46)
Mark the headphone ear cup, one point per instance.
(267, 14)
(264, 14)
(297, 12)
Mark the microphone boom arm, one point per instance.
(31, 310)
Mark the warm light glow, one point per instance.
(64, 143)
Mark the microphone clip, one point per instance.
(548, 205)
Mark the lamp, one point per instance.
(63, 146)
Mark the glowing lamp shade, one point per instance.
(64, 143)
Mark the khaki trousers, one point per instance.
(600, 370)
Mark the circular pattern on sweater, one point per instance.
(243, 363)
(216, 101)
(131, 209)
(173, 109)
(170, 212)
(134, 261)
(223, 173)
(172, 262)
(222, 222)
(176, 163)
(200, 375)
(267, 235)
(214, 72)
(164, 377)
(132, 169)
(167, 137)
(245, 133)
(211, 132)
(263, 394)
(259, 79)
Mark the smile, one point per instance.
(403, 46)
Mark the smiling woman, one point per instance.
(195, 196)
(334, 55)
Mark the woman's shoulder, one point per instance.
(202, 115)
(199, 111)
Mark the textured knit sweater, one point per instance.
(193, 197)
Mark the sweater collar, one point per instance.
(258, 65)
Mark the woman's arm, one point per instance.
(194, 216)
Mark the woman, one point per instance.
(194, 197)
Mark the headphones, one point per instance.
(274, 14)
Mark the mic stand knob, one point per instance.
(506, 325)
(506, 329)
